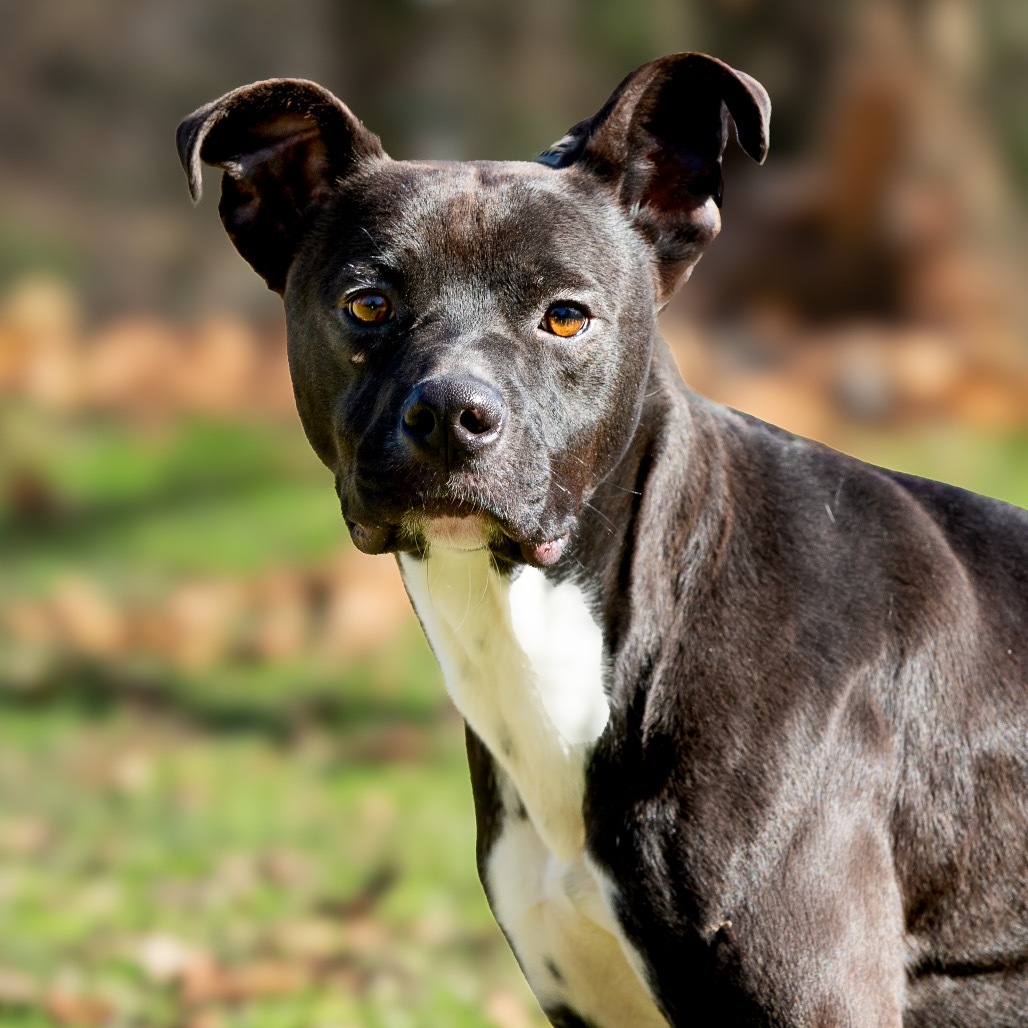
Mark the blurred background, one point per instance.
(232, 792)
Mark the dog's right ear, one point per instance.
(283, 145)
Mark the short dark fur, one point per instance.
(813, 789)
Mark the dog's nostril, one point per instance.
(473, 421)
(452, 418)
(420, 420)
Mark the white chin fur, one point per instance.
(461, 534)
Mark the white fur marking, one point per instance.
(556, 915)
(523, 665)
(565, 649)
(523, 662)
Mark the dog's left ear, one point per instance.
(658, 142)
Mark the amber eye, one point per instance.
(369, 308)
(564, 320)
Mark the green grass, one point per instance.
(205, 497)
(119, 829)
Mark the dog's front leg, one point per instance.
(805, 929)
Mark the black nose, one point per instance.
(452, 418)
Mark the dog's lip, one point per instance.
(384, 528)
(545, 554)
(371, 538)
(374, 538)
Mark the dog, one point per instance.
(747, 720)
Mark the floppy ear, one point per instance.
(658, 143)
(283, 144)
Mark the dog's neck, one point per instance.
(525, 654)
(677, 449)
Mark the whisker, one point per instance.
(467, 609)
(603, 517)
(622, 489)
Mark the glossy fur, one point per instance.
(808, 804)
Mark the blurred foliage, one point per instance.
(90, 94)
(232, 792)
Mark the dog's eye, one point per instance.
(369, 308)
(564, 320)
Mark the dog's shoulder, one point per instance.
(859, 550)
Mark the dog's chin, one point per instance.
(479, 532)
(373, 538)
(456, 534)
(446, 533)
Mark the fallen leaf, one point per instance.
(165, 958)
(25, 836)
(213, 983)
(366, 935)
(16, 988)
(204, 1019)
(88, 620)
(507, 1010)
(314, 938)
(77, 1009)
(287, 867)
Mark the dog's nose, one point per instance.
(452, 418)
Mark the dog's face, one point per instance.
(469, 343)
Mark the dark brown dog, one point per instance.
(747, 719)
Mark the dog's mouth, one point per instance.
(442, 523)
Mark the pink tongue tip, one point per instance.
(545, 554)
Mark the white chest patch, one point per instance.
(523, 663)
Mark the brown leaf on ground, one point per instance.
(204, 1019)
(260, 980)
(313, 938)
(25, 836)
(507, 1010)
(287, 867)
(131, 365)
(88, 621)
(77, 1009)
(366, 935)
(366, 606)
(393, 744)
(200, 618)
(16, 988)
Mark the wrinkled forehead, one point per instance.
(481, 220)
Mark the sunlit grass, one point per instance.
(121, 830)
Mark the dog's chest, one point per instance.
(523, 662)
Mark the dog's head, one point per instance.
(469, 343)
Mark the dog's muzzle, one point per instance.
(448, 430)
(450, 420)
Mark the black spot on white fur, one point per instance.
(554, 970)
